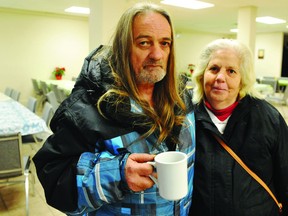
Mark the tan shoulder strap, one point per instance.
(242, 164)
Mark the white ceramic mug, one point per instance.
(172, 175)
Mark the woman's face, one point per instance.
(222, 79)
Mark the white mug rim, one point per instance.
(156, 159)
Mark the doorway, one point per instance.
(284, 71)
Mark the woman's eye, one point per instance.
(231, 71)
(214, 68)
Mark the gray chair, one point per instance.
(35, 139)
(32, 104)
(51, 97)
(15, 95)
(270, 81)
(8, 91)
(47, 113)
(56, 90)
(44, 87)
(14, 164)
(38, 93)
(36, 88)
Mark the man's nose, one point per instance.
(156, 52)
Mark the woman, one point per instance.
(229, 107)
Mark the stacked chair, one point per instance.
(13, 164)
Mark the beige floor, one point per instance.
(12, 198)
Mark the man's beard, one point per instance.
(150, 76)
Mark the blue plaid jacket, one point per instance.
(100, 178)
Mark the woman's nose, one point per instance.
(220, 76)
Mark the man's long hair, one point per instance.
(166, 95)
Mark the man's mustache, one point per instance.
(153, 63)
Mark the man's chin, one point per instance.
(151, 77)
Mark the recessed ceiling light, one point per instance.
(192, 4)
(234, 30)
(75, 9)
(269, 20)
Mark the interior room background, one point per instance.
(32, 44)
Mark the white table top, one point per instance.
(4, 97)
(14, 117)
(66, 85)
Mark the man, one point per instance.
(125, 108)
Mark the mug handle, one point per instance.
(150, 176)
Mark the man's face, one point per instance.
(151, 47)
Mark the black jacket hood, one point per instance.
(97, 77)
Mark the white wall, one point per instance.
(189, 45)
(271, 64)
(32, 44)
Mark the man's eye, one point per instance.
(144, 43)
(166, 43)
(231, 71)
